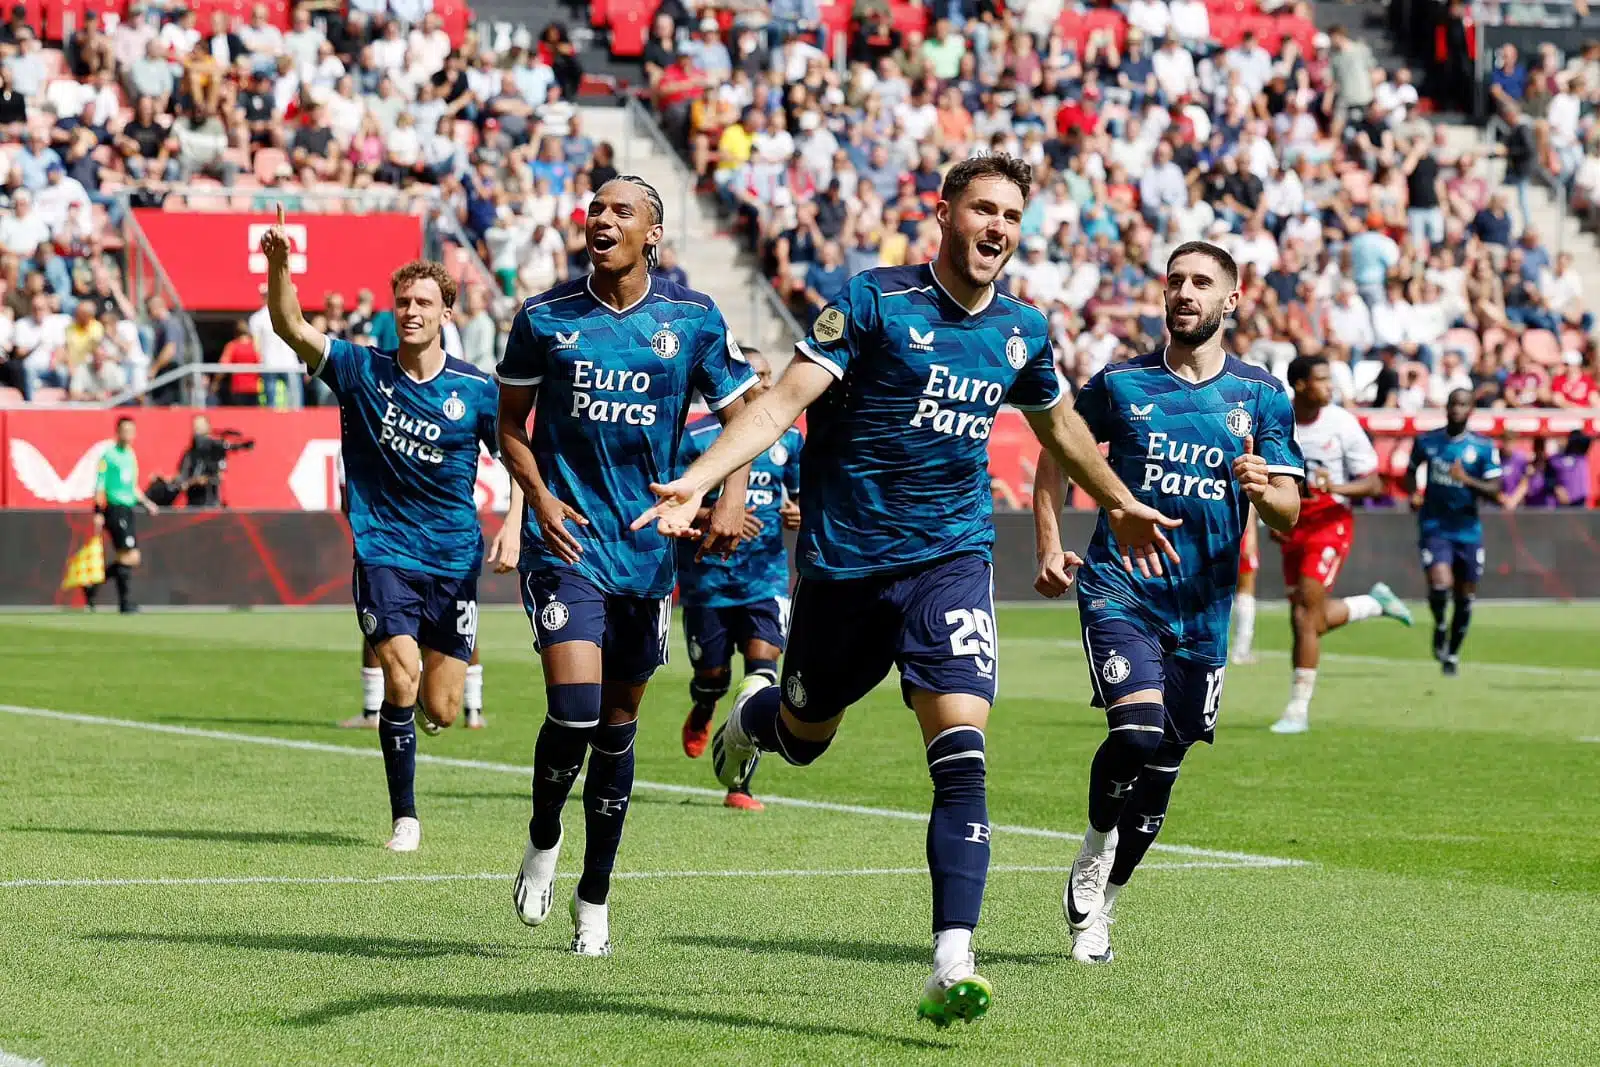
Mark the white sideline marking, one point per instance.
(8, 1060)
(393, 879)
(660, 787)
(1340, 657)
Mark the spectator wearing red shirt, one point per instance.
(1078, 114)
(240, 390)
(1575, 387)
(1526, 384)
(680, 86)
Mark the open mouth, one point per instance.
(602, 242)
(989, 249)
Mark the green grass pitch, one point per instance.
(1443, 907)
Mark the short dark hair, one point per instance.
(124, 419)
(992, 165)
(1216, 253)
(1300, 368)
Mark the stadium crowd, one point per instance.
(381, 106)
(1362, 234)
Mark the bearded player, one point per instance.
(902, 377)
(1341, 466)
(607, 365)
(412, 421)
(1203, 437)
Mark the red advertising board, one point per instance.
(214, 259)
(49, 456)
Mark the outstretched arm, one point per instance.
(1138, 528)
(283, 303)
(758, 424)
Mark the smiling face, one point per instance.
(621, 224)
(419, 311)
(981, 228)
(1199, 295)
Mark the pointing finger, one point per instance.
(280, 213)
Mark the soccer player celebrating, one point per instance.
(1340, 466)
(740, 601)
(1204, 437)
(903, 375)
(1463, 467)
(611, 362)
(412, 421)
(116, 494)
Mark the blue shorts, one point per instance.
(1125, 657)
(714, 634)
(1465, 557)
(631, 631)
(440, 613)
(936, 623)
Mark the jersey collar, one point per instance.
(649, 284)
(1166, 365)
(971, 312)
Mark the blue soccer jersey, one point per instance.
(896, 465)
(759, 569)
(1450, 509)
(614, 390)
(410, 453)
(1174, 443)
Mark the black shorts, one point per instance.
(119, 524)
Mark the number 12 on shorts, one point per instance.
(973, 636)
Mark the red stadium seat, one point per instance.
(1107, 19)
(1543, 346)
(267, 162)
(62, 17)
(909, 18)
(10, 398)
(32, 12)
(45, 395)
(1304, 32)
(836, 16)
(456, 17)
(1071, 25)
(599, 14)
(1462, 340)
(1227, 28)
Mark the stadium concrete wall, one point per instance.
(244, 558)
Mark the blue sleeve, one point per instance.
(524, 360)
(837, 334)
(791, 468)
(1037, 387)
(489, 419)
(1094, 407)
(1489, 462)
(341, 366)
(1274, 435)
(1419, 456)
(719, 371)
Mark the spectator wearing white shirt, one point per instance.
(1044, 279)
(1562, 116)
(1151, 16)
(1283, 197)
(59, 192)
(1349, 323)
(1450, 376)
(1082, 280)
(303, 44)
(429, 45)
(1191, 22)
(27, 69)
(277, 357)
(1256, 246)
(1390, 321)
(1175, 74)
(22, 230)
(131, 37)
(1563, 292)
(409, 12)
(39, 340)
(1253, 63)
(181, 35)
(1161, 187)
(1428, 322)
(345, 110)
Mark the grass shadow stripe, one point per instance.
(660, 787)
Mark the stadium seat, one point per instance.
(48, 395)
(9, 397)
(599, 14)
(456, 16)
(908, 17)
(630, 26)
(1461, 339)
(1303, 31)
(1572, 339)
(267, 162)
(32, 13)
(1107, 19)
(1494, 337)
(1227, 28)
(54, 62)
(244, 190)
(1543, 346)
(1071, 25)
(64, 17)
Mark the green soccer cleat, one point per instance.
(1393, 607)
(958, 993)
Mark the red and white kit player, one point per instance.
(1341, 465)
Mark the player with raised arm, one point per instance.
(1341, 466)
(1463, 468)
(902, 376)
(1203, 437)
(740, 602)
(607, 365)
(412, 422)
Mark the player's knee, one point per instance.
(800, 751)
(957, 764)
(400, 687)
(709, 686)
(1464, 599)
(575, 706)
(1164, 762)
(1306, 618)
(1136, 729)
(767, 668)
(615, 738)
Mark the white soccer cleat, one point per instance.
(591, 928)
(1294, 721)
(955, 992)
(1244, 658)
(1085, 893)
(407, 836)
(733, 755)
(360, 722)
(1092, 944)
(475, 719)
(533, 890)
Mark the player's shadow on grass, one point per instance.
(377, 948)
(236, 837)
(566, 1003)
(852, 951)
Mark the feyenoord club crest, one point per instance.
(1239, 422)
(1016, 352)
(794, 690)
(553, 616)
(369, 623)
(778, 454)
(454, 408)
(665, 342)
(1116, 669)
